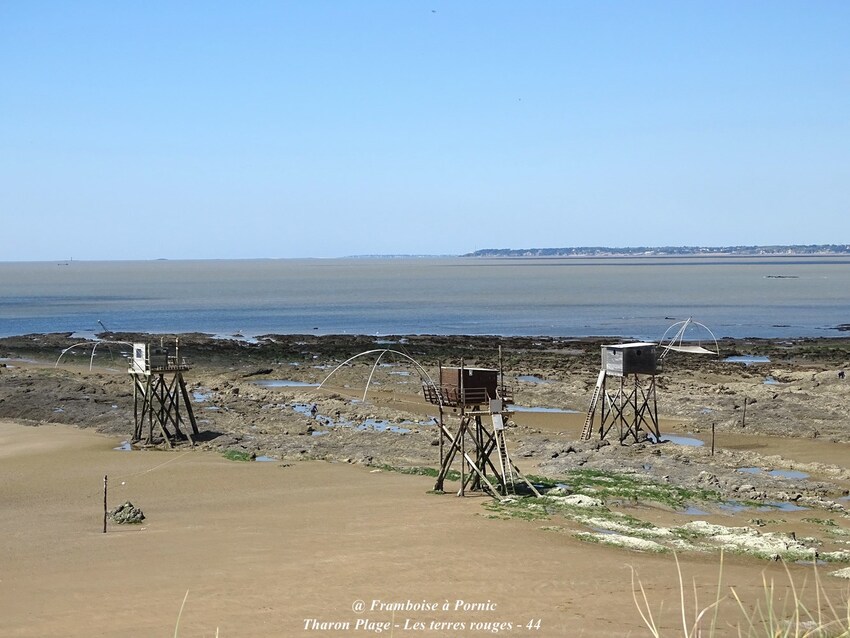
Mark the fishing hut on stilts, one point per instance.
(481, 401)
(161, 404)
(624, 394)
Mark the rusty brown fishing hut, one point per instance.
(481, 401)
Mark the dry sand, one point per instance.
(261, 548)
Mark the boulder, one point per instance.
(126, 514)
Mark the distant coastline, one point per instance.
(668, 251)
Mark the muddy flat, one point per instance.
(276, 549)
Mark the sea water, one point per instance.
(570, 297)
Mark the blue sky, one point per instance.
(133, 130)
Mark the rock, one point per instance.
(581, 500)
(707, 478)
(126, 514)
(255, 373)
(842, 573)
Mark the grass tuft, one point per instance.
(237, 455)
(750, 619)
(451, 475)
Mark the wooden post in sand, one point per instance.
(712, 438)
(104, 503)
(744, 416)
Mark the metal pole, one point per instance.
(712, 438)
(462, 460)
(501, 374)
(439, 390)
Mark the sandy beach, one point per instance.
(339, 544)
(261, 549)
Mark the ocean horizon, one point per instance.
(629, 297)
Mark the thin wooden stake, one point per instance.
(712, 438)
(104, 502)
(744, 417)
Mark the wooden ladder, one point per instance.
(588, 421)
(505, 464)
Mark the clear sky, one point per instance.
(141, 130)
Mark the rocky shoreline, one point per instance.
(779, 414)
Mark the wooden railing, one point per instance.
(453, 396)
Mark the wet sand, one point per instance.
(262, 548)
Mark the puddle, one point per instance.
(200, 397)
(401, 373)
(747, 359)
(382, 426)
(789, 474)
(302, 408)
(236, 336)
(124, 447)
(602, 530)
(783, 506)
(266, 459)
(368, 424)
(811, 563)
(522, 408)
(771, 381)
(843, 498)
(530, 378)
(694, 511)
(678, 440)
(284, 383)
(732, 507)
(769, 506)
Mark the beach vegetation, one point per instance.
(631, 488)
(526, 508)
(824, 522)
(237, 455)
(600, 524)
(451, 475)
(781, 612)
